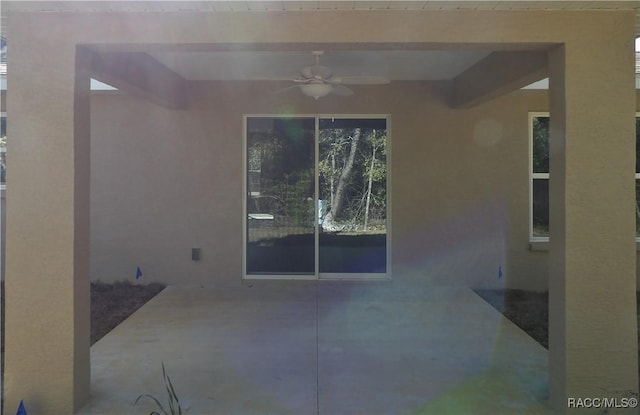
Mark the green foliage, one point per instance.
(637, 207)
(541, 144)
(296, 191)
(172, 398)
(637, 144)
(370, 165)
(540, 164)
(281, 161)
(283, 158)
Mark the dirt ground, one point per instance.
(526, 309)
(530, 311)
(110, 305)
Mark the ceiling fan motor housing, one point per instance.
(318, 81)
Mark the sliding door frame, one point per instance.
(317, 274)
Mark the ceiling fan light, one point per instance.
(316, 90)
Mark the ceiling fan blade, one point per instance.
(275, 79)
(342, 90)
(297, 80)
(360, 80)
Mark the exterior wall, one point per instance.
(165, 181)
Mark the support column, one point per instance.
(593, 348)
(47, 268)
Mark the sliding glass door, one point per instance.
(352, 171)
(316, 197)
(280, 230)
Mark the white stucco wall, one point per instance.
(166, 181)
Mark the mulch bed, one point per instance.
(111, 304)
(530, 311)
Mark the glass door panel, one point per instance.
(280, 231)
(352, 196)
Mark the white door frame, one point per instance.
(317, 274)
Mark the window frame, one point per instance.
(3, 114)
(534, 176)
(545, 176)
(317, 275)
(637, 177)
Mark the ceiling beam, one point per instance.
(139, 74)
(498, 74)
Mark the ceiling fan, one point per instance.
(318, 81)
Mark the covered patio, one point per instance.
(101, 184)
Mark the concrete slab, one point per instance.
(390, 351)
(320, 348)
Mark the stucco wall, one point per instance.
(165, 181)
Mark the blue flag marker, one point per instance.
(499, 273)
(138, 273)
(21, 409)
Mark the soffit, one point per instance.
(397, 65)
(315, 5)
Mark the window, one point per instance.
(638, 175)
(539, 176)
(3, 149)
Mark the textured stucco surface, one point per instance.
(164, 181)
(592, 249)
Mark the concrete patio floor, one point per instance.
(320, 348)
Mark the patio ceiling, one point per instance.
(397, 65)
